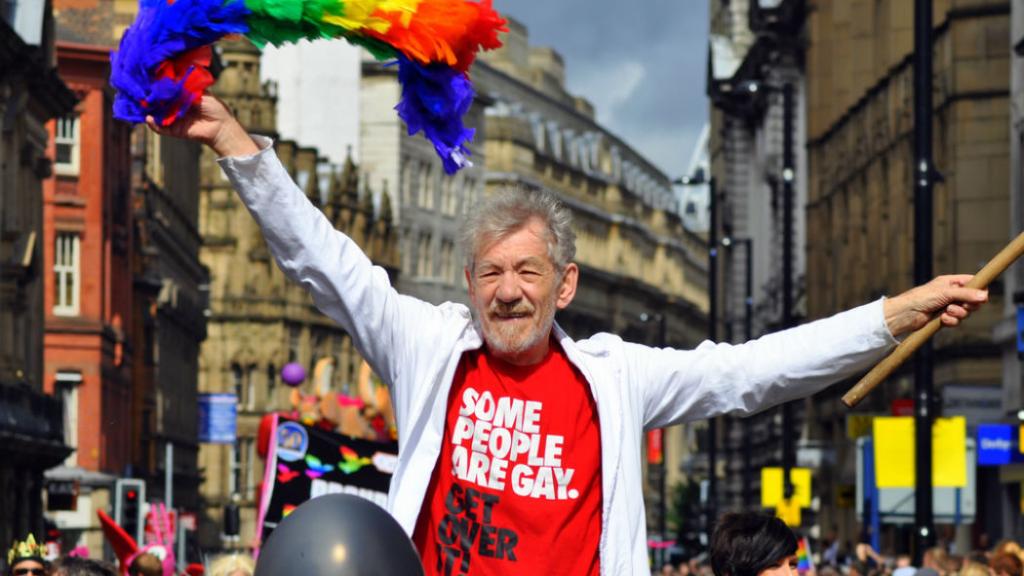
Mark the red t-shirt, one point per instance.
(517, 488)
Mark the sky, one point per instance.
(642, 64)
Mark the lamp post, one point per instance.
(748, 334)
(788, 238)
(662, 341)
(924, 174)
(697, 179)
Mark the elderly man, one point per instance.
(520, 448)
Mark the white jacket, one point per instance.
(415, 348)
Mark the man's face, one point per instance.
(515, 290)
(28, 568)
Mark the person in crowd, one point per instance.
(752, 544)
(27, 558)
(972, 568)
(69, 566)
(146, 565)
(481, 391)
(232, 565)
(1005, 564)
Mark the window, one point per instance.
(66, 387)
(243, 461)
(67, 277)
(426, 187)
(235, 485)
(271, 384)
(250, 388)
(426, 262)
(294, 337)
(252, 473)
(449, 271)
(238, 382)
(66, 138)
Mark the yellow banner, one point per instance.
(789, 512)
(772, 487)
(894, 452)
(858, 425)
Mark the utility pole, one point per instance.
(662, 480)
(748, 335)
(788, 176)
(712, 336)
(923, 364)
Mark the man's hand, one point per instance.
(210, 122)
(946, 295)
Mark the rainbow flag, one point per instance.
(162, 66)
(804, 564)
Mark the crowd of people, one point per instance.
(29, 558)
(751, 544)
(743, 544)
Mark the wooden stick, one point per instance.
(883, 369)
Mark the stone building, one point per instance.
(259, 320)
(860, 199)
(31, 422)
(1012, 396)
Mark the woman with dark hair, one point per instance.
(752, 544)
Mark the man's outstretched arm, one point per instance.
(796, 363)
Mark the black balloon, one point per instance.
(338, 535)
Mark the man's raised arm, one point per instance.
(343, 282)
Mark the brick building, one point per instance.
(87, 245)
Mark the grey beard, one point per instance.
(500, 342)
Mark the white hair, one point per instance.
(508, 211)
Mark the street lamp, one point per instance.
(662, 321)
(699, 178)
(754, 88)
(748, 334)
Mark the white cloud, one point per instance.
(608, 87)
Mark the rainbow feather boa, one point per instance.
(162, 66)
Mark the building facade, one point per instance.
(259, 320)
(87, 246)
(860, 205)
(32, 423)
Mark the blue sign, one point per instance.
(1020, 330)
(995, 444)
(218, 418)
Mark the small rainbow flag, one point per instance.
(804, 564)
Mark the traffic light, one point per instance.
(129, 495)
(232, 521)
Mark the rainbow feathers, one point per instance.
(162, 66)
